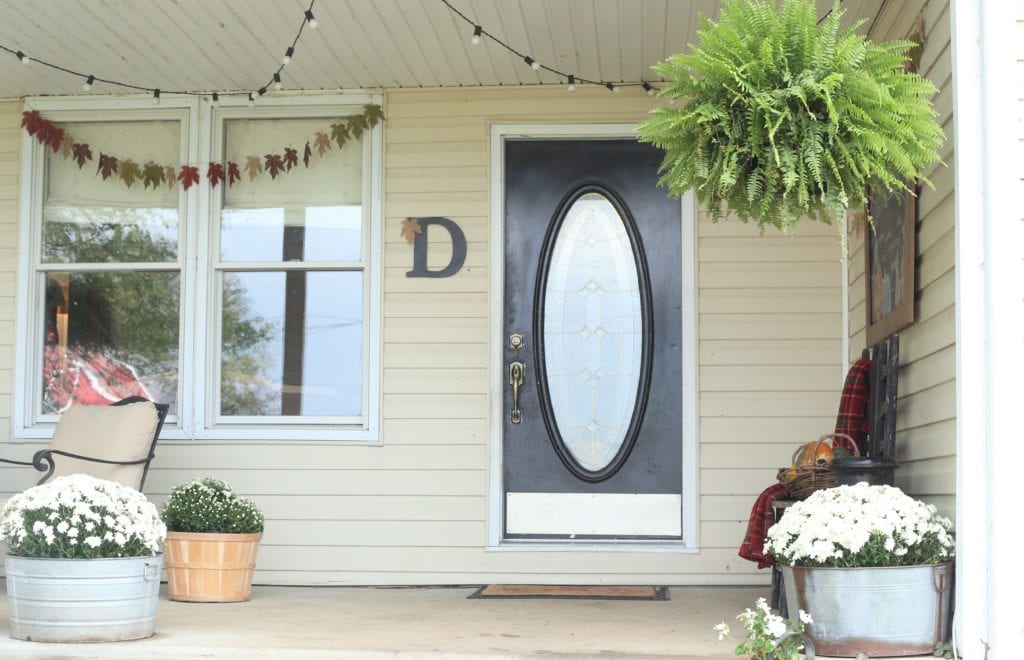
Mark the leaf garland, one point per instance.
(152, 174)
(781, 118)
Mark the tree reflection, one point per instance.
(117, 331)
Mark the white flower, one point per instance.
(723, 630)
(62, 508)
(805, 618)
(847, 525)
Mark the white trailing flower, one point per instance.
(45, 520)
(861, 525)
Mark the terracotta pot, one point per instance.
(210, 568)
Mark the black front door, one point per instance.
(592, 440)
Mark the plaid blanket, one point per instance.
(853, 404)
(851, 420)
(761, 518)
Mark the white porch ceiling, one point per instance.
(221, 45)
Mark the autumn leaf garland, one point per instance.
(129, 172)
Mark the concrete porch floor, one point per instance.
(368, 622)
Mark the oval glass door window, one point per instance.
(593, 332)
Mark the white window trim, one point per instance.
(201, 123)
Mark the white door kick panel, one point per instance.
(594, 514)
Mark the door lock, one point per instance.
(515, 379)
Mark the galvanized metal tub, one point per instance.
(893, 611)
(82, 600)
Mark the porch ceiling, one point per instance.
(221, 45)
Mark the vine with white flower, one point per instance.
(767, 634)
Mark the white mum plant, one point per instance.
(858, 526)
(81, 517)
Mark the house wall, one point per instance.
(926, 413)
(414, 510)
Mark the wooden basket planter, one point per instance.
(210, 568)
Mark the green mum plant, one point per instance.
(782, 118)
(209, 505)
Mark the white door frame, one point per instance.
(688, 402)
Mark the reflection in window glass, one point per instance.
(109, 335)
(110, 330)
(291, 343)
(315, 233)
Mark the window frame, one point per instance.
(197, 263)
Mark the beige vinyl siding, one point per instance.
(415, 510)
(926, 417)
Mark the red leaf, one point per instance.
(107, 166)
(81, 153)
(31, 121)
(55, 137)
(233, 174)
(188, 176)
(306, 155)
(291, 159)
(274, 164)
(215, 174)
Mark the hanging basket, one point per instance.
(802, 480)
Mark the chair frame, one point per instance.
(43, 460)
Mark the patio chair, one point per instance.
(115, 442)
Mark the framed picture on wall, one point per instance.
(889, 253)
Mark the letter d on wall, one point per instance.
(419, 246)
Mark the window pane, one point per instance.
(110, 335)
(86, 220)
(311, 215)
(292, 343)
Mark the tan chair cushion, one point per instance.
(118, 433)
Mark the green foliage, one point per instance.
(782, 118)
(209, 505)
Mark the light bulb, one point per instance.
(477, 31)
(216, 99)
(650, 90)
(156, 97)
(23, 57)
(313, 24)
(287, 59)
(87, 86)
(277, 82)
(252, 100)
(572, 84)
(611, 87)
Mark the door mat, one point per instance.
(570, 592)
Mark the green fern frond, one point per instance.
(781, 118)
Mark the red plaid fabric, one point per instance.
(761, 518)
(853, 405)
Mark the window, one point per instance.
(252, 308)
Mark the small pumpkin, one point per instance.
(815, 453)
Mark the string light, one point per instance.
(252, 100)
(479, 32)
(215, 100)
(649, 89)
(90, 79)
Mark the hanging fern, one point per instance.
(783, 118)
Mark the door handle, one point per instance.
(515, 379)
